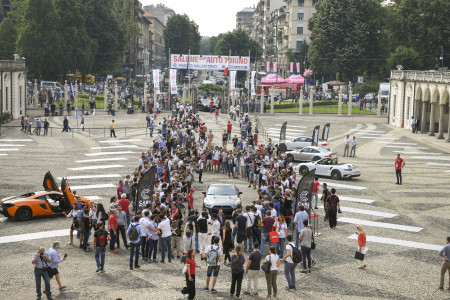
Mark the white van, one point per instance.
(385, 87)
(51, 84)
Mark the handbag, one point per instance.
(313, 244)
(359, 255)
(274, 237)
(266, 267)
(185, 269)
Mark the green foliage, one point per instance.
(210, 86)
(346, 36)
(239, 43)
(407, 57)
(181, 34)
(365, 88)
(8, 36)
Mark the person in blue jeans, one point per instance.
(135, 243)
(289, 265)
(300, 216)
(152, 234)
(40, 260)
(306, 239)
(166, 237)
(100, 236)
(267, 225)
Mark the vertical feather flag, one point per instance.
(225, 72)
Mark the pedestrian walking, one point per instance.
(399, 164)
(101, 238)
(332, 204)
(213, 261)
(315, 190)
(40, 261)
(413, 124)
(190, 274)
(346, 145)
(252, 270)
(55, 260)
(111, 128)
(271, 276)
(354, 144)
(362, 236)
(289, 265)
(445, 253)
(306, 239)
(237, 272)
(134, 233)
(46, 126)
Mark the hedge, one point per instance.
(293, 104)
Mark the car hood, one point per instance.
(221, 200)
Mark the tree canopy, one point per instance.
(181, 35)
(8, 36)
(239, 43)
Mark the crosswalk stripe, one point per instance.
(101, 159)
(16, 140)
(33, 236)
(380, 224)
(424, 153)
(378, 137)
(3, 154)
(431, 158)
(92, 186)
(346, 186)
(410, 244)
(395, 143)
(11, 145)
(438, 164)
(93, 197)
(96, 167)
(9, 149)
(115, 147)
(120, 141)
(279, 129)
(109, 153)
(366, 212)
(364, 130)
(291, 126)
(91, 176)
(405, 147)
(350, 199)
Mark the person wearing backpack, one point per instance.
(134, 233)
(290, 259)
(257, 225)
(332, 205)
(213, 254)
(306, 238)
(101, 238)
(237, 272)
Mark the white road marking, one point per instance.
(3, 219)
(114, 147)
(395, 143)
(101, 159)
(424, 153)
(93, 197)
(346, 186)
(92, 186)
(279, 129)
(375, 134)
(9, 149)
(410, 244)
(377, 137)
(364, 130)
(3, 154)
(16, 140)
(277, 135)
(438, 164)
(380, 224)
(366, 212)
(432, 158)
(405, 147)
(109, 153)
(120, 141)
(91, 176)
(33, 236)
(11, 145)
(96, 167)
(291, 126)
(447, 171)
(359, 200)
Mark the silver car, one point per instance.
(311, 153)
(222, 196)
(303, 141)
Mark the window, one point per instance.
(300, 16)
(299, 29)
(301, 2)
(299, 44)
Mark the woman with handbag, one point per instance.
(237, 272)
(281, 229)
(273, 261)
(361, 244)
(306, 237)
(190, 274)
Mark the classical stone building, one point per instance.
(13, 87)
(423, 95)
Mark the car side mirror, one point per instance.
(204, 193)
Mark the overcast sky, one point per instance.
(212, 16)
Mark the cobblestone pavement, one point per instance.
(393, 272)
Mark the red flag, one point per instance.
(225, 72)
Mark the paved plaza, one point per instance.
(406, 224)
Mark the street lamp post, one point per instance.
(350, 96)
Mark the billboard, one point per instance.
(209, 62)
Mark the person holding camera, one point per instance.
(40, 261)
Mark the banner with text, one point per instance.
(232, 80)
(253, 83)
(298, 67)
(173, 81)
(275, 67)
(267, 67)
(156, 80)
(209, 62)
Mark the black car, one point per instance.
(203, 105)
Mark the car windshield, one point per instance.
(227, 190)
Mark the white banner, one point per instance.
(156, 80)
(173, 82)
(253, 83)
(209, 62)
(232, 80)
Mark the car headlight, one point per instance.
(207, 204)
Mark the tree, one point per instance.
(408, 58)
(239, 43)
(8, 36)
(205, 46)
(181, 35)
(346, 37)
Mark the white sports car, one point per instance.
(303, 141)
(310, 153)
(326, 167)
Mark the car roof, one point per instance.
(317, 148)
(221, 184)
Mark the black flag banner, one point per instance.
(325, 132)
(304, 191)
(315, 136)
(282, 146)
(145, 188)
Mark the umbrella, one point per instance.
(272, 79)
(295, 79)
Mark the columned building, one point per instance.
(13, 87)
(423, 95)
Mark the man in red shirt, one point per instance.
(229, 126)
(113, 230)
(120, 189)
(315, 190)
(399, 164)
(125, 203)
(216, 114)
(211, 105)
(190, 198)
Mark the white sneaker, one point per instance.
(69, 243)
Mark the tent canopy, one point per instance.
(295, 79)
(272, 79)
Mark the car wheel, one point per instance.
(316, 158)
(335, 174)
(304, 170)
(23, 213)
(290, 157)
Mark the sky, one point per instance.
(212, 16)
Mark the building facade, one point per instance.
(13, 87)
(298, 13)
(162, 12)
(423, 95)
(5, 6)
(157, 57)
(244, 20)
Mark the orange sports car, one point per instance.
(50, 202)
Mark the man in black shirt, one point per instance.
(325, 195)
(253, 270)
(332, 204)
(235, 141)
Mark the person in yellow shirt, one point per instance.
(111, 128)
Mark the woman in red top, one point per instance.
(361, 243)
(190, 274)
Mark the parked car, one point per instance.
(222, 196)
(310, 153)
(304, 141)
(50, 202)
(369, 97)
(203, 105)
(328, 168)
(51, 84)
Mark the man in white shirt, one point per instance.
(215, 230)
(346, 145)
(298, 220)
(250, 222)
(354, 144)
(213, 268)
(166, 237)
(144, 222)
